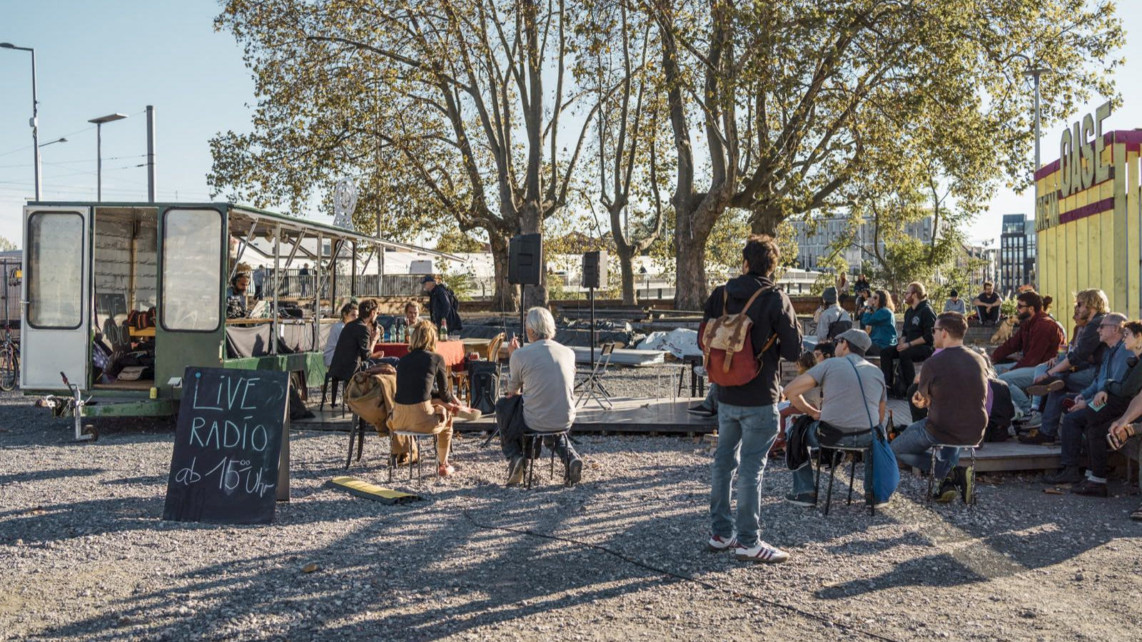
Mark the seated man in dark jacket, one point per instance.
(916, 343)
(355, 345)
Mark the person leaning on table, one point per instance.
(355, 344)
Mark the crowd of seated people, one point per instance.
(1083, 394)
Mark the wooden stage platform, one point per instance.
(646, 416)
(627, 415)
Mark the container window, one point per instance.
(192, 264)
(55, 270)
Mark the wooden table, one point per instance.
(452, 351)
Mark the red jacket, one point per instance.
(1038, 337)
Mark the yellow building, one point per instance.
(1087, 217)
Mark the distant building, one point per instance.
(816, 236)
(1017, 252)
(983, 262)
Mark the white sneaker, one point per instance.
(717, 543)
(762, 552)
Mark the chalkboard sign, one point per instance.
(228, 446)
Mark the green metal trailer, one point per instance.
(89, 266)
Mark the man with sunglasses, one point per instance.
(1037, 338)
(953, 387)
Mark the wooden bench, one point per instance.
(610, 313)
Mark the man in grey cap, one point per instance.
(853, 397)
(831, 313)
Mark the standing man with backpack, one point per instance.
(748, 326)
(443, 307)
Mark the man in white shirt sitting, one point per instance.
(544, 371)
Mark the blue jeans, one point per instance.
(1001, 368)
(745, 434)
(1017, 381)
(803, 481)
(711, 400)
(912, 446)
(1053, 408)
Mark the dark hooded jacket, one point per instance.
(772, 313)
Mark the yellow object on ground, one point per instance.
(364, 489)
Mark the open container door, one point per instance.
(192, 284)
(56, 329)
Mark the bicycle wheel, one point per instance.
(9, 368)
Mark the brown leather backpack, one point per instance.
(728, 347)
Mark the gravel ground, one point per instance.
(621, 556)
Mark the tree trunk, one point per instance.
(626, 269)
(506, 298)
(690, 272)
(765, 222)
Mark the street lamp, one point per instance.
(34, 122)
(109, 118)
(58, 140)
(1033, 71)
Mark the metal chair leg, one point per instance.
(832, 475)
(349, 457)
(529, 461)
(974, 486)
(360, 424)
(817, 477)
(852, 477)
(551, 472)
(931, 474)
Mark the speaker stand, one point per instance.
(593, 385)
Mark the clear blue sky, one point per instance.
(97, 58)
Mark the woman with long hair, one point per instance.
(879, 318)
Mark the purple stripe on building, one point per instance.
(1097, 207)
(1132, 138)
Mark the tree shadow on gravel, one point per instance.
(410, 574)
(44, 475)
(981, 548)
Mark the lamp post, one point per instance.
(1034, 71)
(99, 150)
(34, 122)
